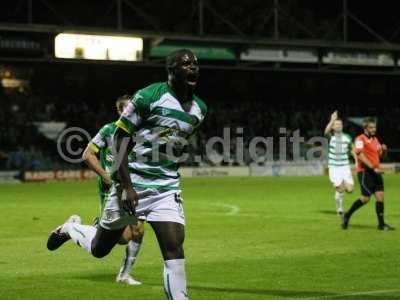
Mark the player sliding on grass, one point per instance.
(158, 120)
(101, 148)
(369, 150)
(340, 148)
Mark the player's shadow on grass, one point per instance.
(110, 277)
(98, 277)
(265, 292)
(328, 212)
(315, 295)
(361, 226)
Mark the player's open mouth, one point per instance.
(191, 79)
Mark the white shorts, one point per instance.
(340, 174)
(154, 206)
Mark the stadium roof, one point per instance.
(320, 26)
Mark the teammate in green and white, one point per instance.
(340, 149)
(151, 140)
(99, 157)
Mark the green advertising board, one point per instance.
(202, 51)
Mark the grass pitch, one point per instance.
(247, 238)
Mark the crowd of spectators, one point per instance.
(24, 147)
(22, 144)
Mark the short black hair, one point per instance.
(174, 56)
(368, 120)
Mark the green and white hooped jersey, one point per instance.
(102, 144)
(340, 147)
(160, 126)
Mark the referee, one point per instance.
(369, 150)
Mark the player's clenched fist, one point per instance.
(107, 180)
(129, 199)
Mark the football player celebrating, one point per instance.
(99, 157)
(369, 150)
(160, 117)
(340, 148)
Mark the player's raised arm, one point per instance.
(90, 157)
(328, 128)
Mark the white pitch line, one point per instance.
(349, 295)
(233, 210)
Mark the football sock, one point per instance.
(175, 279)
(379, 207)
(339, 201)
(131, 252)
(82, 235)
(356, 205)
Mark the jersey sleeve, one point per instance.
(359, 145)
(134, 113)
(99, 141)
